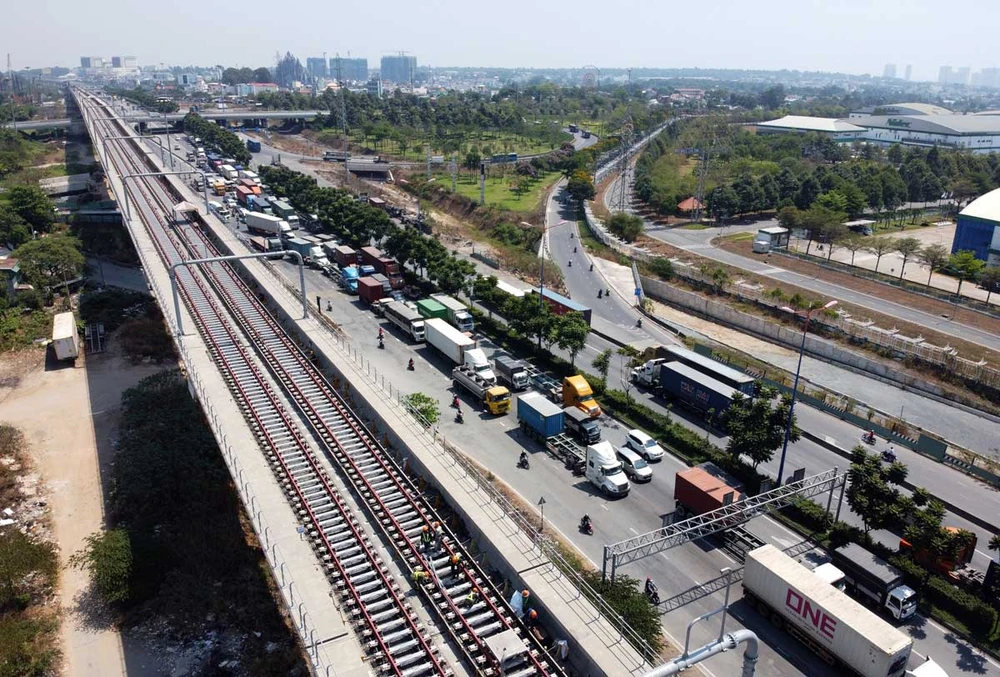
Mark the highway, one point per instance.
(682, 570)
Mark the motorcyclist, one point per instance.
(410, 365)
(870, 436)
(650, 586)
(638, 323)
(329, 306)
(585, 522)
(600, 293)
(460, 417)
(591, 267)
(381, 333)
(381, 342)
(523, 459)
(454, 401)
(574, 250)
(570, 264)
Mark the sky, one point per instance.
(851, 36)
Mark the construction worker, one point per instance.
(531, 619)
(418, 575)
(456, 569)
(438, 535)
(426, 537)
(472, 597)
(518, 601)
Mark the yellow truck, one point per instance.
(496, 399)
(577, 393)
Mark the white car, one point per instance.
(644, 445)
(634, 465)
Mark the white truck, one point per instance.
(458, 314)
(65, 338)
(648, 374)
(265, 224)
(457, 347)
(229, 172)
(830, 623)
(604, 470)
(406, 319)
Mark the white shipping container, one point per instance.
(824, 617)
(65, 338)
(450, 341)
(510, 289)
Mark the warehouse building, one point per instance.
(839, 130)
(979, 228)
(900, 109)
(976, 133)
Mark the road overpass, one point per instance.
(150, 118)
(337, 514)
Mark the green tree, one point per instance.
(602, 363)
(423, 407)
(580, 187)
(962, 190)
(880, 246)
(107, 557)
(935, 257)
(571, 332)
(966, 266)
(48, 261)
(723, 202)
(853, 243)
(895, 154)
(33, 205)
(626, 226)
(789, 217)
(472, 160)
(14, 231)
(872, 492)
(989, 280)
(834, 201)
(756, 426)
(907, 248)
(994, 545)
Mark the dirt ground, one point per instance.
(69, 415)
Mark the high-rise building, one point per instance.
(963, 76)
(944, 75)
(374, 87)
(316, 67)
(890, 71)
(399, 69)
(349, 70)
(909, 71)
(91, 62)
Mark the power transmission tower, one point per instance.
(453, 168)
(427, 148)
(482, 183)
(343, 97)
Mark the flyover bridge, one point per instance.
(339, 519)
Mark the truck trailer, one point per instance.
(560, 305)
(265, 224)
(696, 390)
(457, 347)
(370, 289)
(830, 623)
(458, 313)
(345, 256)
(430, 308)
(495, 398)
(65, 337)
(874, 581)
(407, 319)
(702, 489)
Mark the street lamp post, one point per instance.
(541, 273)
(795, 386)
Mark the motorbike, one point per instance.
(459, 417)
(410, 365)
(869, 439)
(600, 293)
(586, 526)
(889, 456)
(570, 264)
(381, 343)
(638, 323)
(523, 462)
(591, 267)
(574, 250)
(329, 306)
(653, 595)
(454, 402)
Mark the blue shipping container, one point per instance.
(542, 416)
(695, 389)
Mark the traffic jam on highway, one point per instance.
(845, 607)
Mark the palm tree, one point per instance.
(995, 545)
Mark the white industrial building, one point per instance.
(839, 130)
(899, 109)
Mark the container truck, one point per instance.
(495, 398)
(830, 623)
(407, 319)
(382, 280)
(349, 279)
(265, 224)
(457, 347)
(430, 308)
(696, 390)
(370, 290)
(702, 489)
(648, 374)
(228, 171)
(247, 175)
(253, 146)
(265, 244)
(581, 426)
(458, 314)
(874, 581)
(65, 337)
(285, 211)
(511, 372)
(242, 193)
(560, 305)
(543, 420)
(345, 256)
(955, 568)
(576, 392)
(299, 245)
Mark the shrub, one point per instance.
(107, 557)
(146, 337)
(30, 299)
(662, 268)
(914, 575)
(809, 514)
(423, 407)
(977, 616)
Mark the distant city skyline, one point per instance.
(852, 37)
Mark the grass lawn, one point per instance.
(500, 193)
(498, 142)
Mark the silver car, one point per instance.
(634, 465)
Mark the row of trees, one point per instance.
(826, 226)
(531, 317)
(236, 76)
(217, 138)
(26, 210)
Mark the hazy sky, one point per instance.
(855, 36)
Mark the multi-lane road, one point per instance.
(687, 575)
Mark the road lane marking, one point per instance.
(633, 531)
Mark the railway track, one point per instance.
(240, 333)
